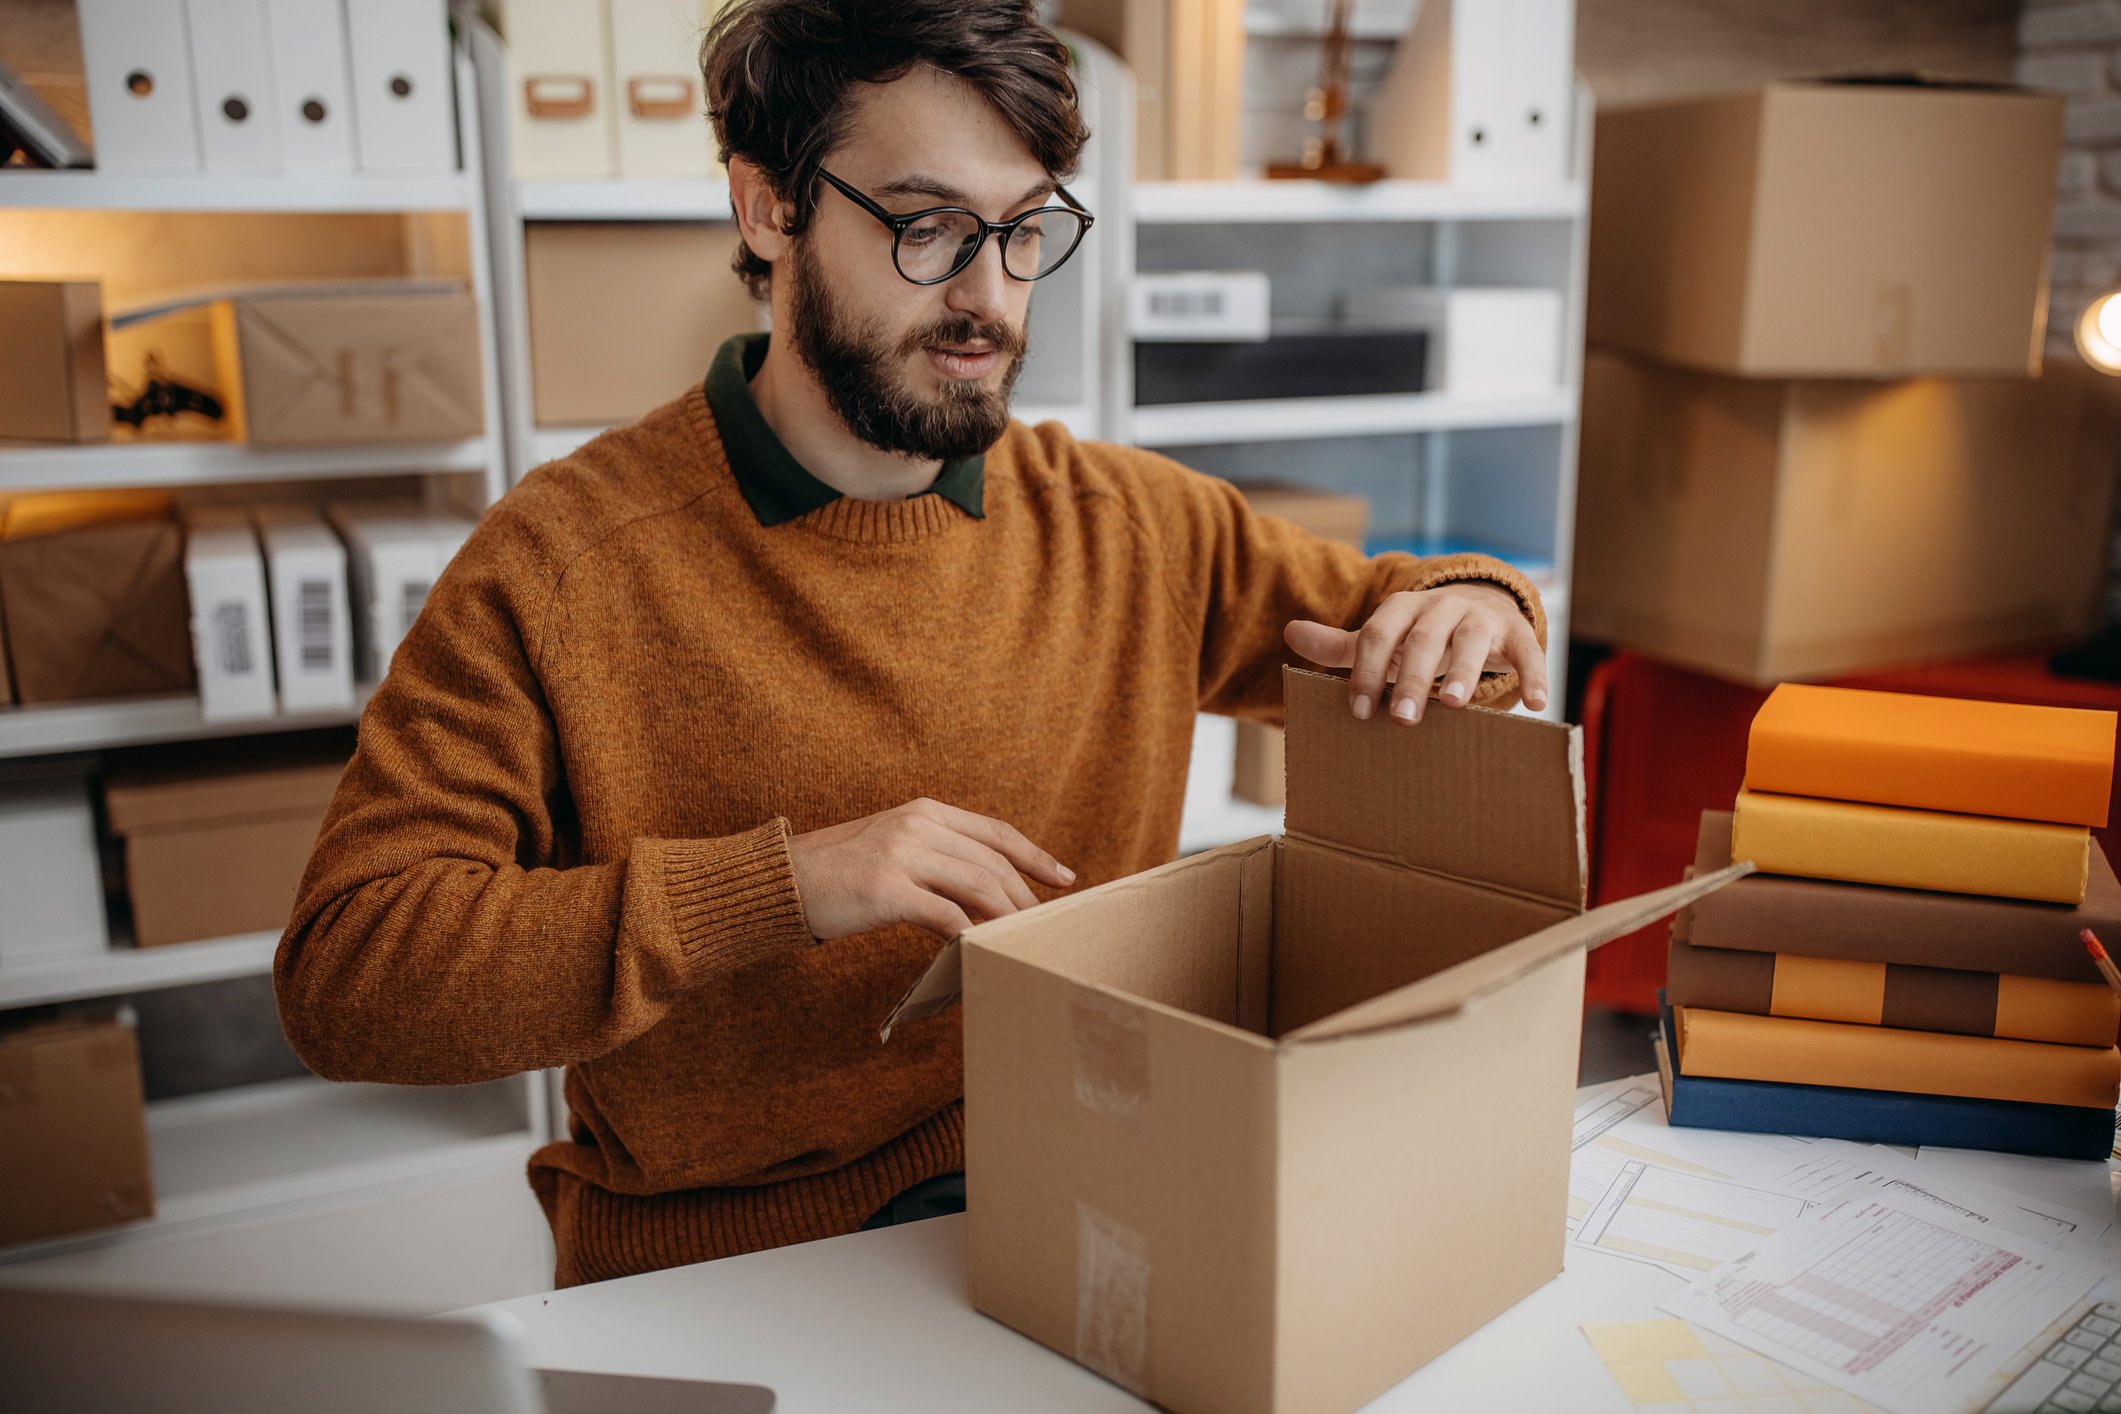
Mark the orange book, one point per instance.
(2054, 764)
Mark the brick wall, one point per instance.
(2074, 48)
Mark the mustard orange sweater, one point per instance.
(562, 840)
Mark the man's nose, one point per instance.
(981, 289)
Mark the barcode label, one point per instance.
(1186, 304)
(414, 597)
(313, 620)
(231, 639)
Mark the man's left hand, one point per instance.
(1455, 632)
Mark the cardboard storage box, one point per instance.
(48, 874)
(1827, 229)
(52, 386)
(626, 316)
(1270, 1127)
(1762, 530)
(215, 851)
(93, 591)
(76, 1125)
(344, 365)
(1259, 766)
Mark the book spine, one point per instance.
(1911, 849)
(1882, 1116)
(1734, 1046)
(1908, 998)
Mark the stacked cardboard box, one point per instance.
(1906, 966)
(1815, 409)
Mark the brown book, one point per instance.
(1873, 923)
(1730, 1045)
(1893, 994)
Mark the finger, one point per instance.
(1469, 654)
(1426, 643)
(980, 856)
(1007, 840)
(1522, 651)
(968, 886)
(931, 911)
(1375, 644)
(1322, 644)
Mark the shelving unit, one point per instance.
(1291, 203)
(224, 1159)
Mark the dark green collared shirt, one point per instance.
(774, 483)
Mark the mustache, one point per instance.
(1009, 340)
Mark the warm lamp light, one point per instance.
(2099, 333)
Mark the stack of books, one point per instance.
(1907, 966)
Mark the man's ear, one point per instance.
(759, 211)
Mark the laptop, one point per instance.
(73, 1350)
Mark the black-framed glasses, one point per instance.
(930, 246)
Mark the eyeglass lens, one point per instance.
(939, 245)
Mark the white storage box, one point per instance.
(1197, 305)
(309, 73)
(395, 552)
(405, 114)
(1481, 91)
(232, 86)
(139, 85)
(1482, 341)
(48, 872)
(655, 87)
(312, 622)
(559, 99)
(224, 574)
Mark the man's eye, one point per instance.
(924, 232)
(1027, 233)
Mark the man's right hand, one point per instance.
(924, 863)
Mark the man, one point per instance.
(717, 728)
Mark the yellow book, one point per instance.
(1911, 849)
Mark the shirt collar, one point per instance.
(773, 482)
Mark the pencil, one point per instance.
(2105, 963)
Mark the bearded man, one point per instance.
(717, 728)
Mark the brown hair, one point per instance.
(780, 78)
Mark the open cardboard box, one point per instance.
(1269, 1127)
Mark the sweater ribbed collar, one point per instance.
(778, 488)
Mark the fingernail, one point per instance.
(1067, 874)
(1362, 709)
(1454, 693)
(1404, 709)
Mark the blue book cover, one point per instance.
(1876, 1116)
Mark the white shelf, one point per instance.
(624, 199)
(116, 971)
(45, 728)
(105, 191)
(1172, 203)
(99, 465)
(1284, 419)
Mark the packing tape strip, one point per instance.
(1111, 1057)
(1112, 1299)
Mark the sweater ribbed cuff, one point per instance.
(1486, 569)
(733, 900)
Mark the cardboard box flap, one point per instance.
(936, 991)
(1454, 988)
(1489, 797)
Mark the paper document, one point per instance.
(1834, 1162)
(1672, 1368)
(1890, 1297)
(2083, 1185)
(1686, 1223)
(1624, 1123)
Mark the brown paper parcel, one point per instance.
(1268, 1128)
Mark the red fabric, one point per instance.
(1662, 744)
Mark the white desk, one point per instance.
(879, 1322)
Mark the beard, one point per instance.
(861, 372)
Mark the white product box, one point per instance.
(1484, 342)
(232, 86)
(136, 60)
(404, 106)
(560, 103)
(1481, 91)
(48, 868)
(1199, 306)
(395, 552)
(309, 74)
(656, 98)
(312, 620)
(224, 574)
